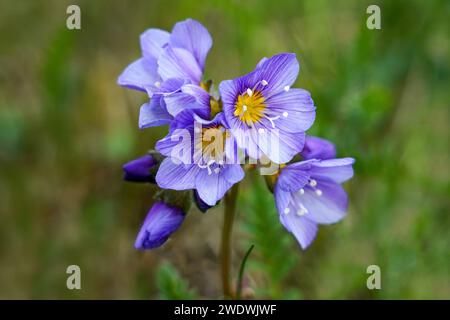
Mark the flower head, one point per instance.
(265, 115)
(161, 221)
(177, 55)
(169, 60)
(309, 193)
(198, 161)
(260, 112)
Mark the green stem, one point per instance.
(229, 213)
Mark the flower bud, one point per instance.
(161, 221)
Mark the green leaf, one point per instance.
(274, 254)
(171, 284)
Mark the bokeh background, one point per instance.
(66, 128)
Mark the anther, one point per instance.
(313, 183)
(249, 92)
(319, 192)
(264, 82)
(285, 114)
(157, 84)
(302, 211)
(286, 88)
(286, 211)
(244, 109)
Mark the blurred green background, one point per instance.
(66, 128)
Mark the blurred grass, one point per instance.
(66, 128)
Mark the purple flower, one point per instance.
(264, 114)
(309, 193)
(161, 221)
(138, 170)
(169, 60)
(199, 166)
(177, 55)
(318, 148)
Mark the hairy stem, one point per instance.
(229, 213)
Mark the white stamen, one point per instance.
(313, 183)
(302, 191)
(285, 114)
(319, 192)
(217, 170)
(261, 130)
(302, 211)
(157, 84)
(286, 88)
(264, 82)
(244, 109)
(207, 166)
(286, 211)
(249, 92)
(272, 120)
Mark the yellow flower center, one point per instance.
(216, 106)
(206, 85)
(212, 143)
(250, 107)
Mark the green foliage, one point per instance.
(275, 252)
(170, 284)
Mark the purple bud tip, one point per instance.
(138, 170)
(161, 221)
(317, 148)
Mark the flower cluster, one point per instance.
(257, 118)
